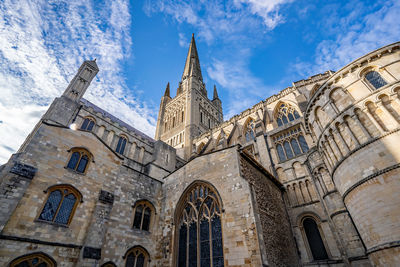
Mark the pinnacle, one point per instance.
(167, 91)
(215, 92)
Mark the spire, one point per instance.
(167, 90)
(192, 65)
(215, 93)
(179, 90)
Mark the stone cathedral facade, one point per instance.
(307, 177)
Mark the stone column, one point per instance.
(374, 122)
(342, 140)
(322, 182)
(363, 129)
(393, 121)
(347, 128)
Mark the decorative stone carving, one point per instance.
(24, 170)
(106, 197)
(92, 253)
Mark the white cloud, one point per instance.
(356, 34)
(42, 45)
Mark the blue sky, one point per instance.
(249, 48)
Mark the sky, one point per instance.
(249, 49)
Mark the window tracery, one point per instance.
(375, 79)
(143, 212)
(121, 145)
(290, 143)
(60, 205)
(199, 232)
(88, 124)
(79, 160)
(137, 257)
(33, 260)
(285, 114)
(250, 130)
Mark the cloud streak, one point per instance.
(42, 45)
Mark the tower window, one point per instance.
(60, 205)
(79, 160)
(87, 124)
(375, 79)
(121, 145)
(143, 211)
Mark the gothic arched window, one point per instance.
(79, 160)
(109, 264)
(295, 146)
(87, 124)
(285, 114)
(288, 150)
(375, 79)
(121, 145)
(199, 232)
(33, 260)
(137, 257)
(249, 130)
(314, 239)
(281, 154)
(60, 204)
(142, 211)
(303, 144)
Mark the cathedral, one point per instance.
(307, 177)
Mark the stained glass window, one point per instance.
(249, 131)
(87, 124)
(303, 144)
(142, 215)
(60, 205)
(314, 239)
(79, 160)
(375, 79)
(199, 229)
(281, 154)
(33, 260)
(136, 257)
(285, 114)
(121, 145)
(288, 150)
(295, 146)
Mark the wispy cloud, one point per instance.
(231, 28)
(361, 31)
(43, 43)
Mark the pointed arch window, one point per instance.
(314, 239)
(109, 264)
(33, 260)
(79, 160)
(121, 145)
(137, 257)
(375, 79)
(88, 124)
(249, 130)
(143, 213)
(303, 143)
(60, 205)
(199, 230)
(285, 114)
(290, 143)
(281, 154)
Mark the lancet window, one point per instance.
(285, 114)
(137, 257)
(314, 239)
(143, 211)
(375, 79)
(79, 160)
(249, 130)
(199, 231)
(60, 205)
(290, 143)
(121, 145)
(87, 124)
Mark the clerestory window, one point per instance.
(285, 114)
(121, 145)
(88, 124)
(375, 79)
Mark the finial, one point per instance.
(167, 90)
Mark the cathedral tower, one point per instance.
(190, 113)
